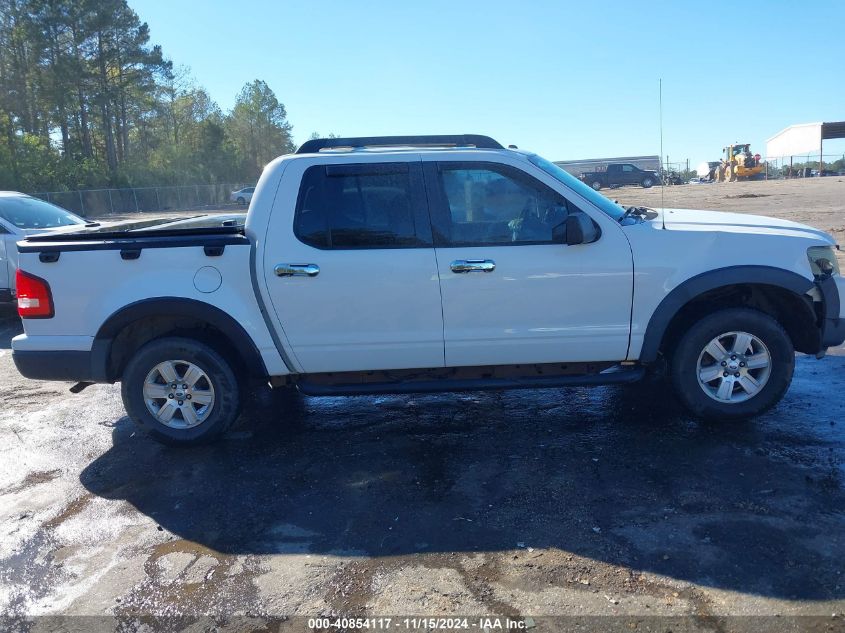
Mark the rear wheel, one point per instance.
(241, 201)
(735, 363)
(180, 391)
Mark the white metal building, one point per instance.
(803, 140)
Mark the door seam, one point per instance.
(436, 260)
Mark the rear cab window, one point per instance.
(363, 205)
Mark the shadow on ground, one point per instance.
(10, 325)
(619, 475)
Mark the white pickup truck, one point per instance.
(420, 264)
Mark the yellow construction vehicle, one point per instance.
(738, 164)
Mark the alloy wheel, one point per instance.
(178, 394)
(734, 367)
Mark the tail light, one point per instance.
(35, 301)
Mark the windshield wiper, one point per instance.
(92, 224)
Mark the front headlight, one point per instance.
(823, 261)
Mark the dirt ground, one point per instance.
(608, 506)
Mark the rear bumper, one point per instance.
(74, 358)
(54, 365)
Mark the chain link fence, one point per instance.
(94, 203)
(804, 166)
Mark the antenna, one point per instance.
(662, 175)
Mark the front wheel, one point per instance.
(241, 202)
(647, 182)
(596, 184)
(180, 391)
(734, 363)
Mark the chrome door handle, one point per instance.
(296, 270)
(473, 266)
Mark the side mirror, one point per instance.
(579, 228)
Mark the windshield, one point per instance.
(25, 212)
(609, 207)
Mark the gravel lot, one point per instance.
(576, 502)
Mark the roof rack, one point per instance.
(436, 140)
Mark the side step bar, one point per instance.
(614, 376)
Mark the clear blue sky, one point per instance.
(566, 79)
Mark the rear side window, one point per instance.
(370, 205)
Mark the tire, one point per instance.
(647, 182)
(596, 184)
(241, 201)
(144, 381)
(731, 398)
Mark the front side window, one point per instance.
(606, 205)
(627, 168)
(488, 203)
(371, 205)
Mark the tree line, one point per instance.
(87, 101)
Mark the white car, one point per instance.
(242, 196)
(419, 264)
(21, 216)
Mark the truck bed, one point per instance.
(114, 273)
(135, 240)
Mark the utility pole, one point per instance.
(821, 155)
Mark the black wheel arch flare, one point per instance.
(176, 307)
(712, 280)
